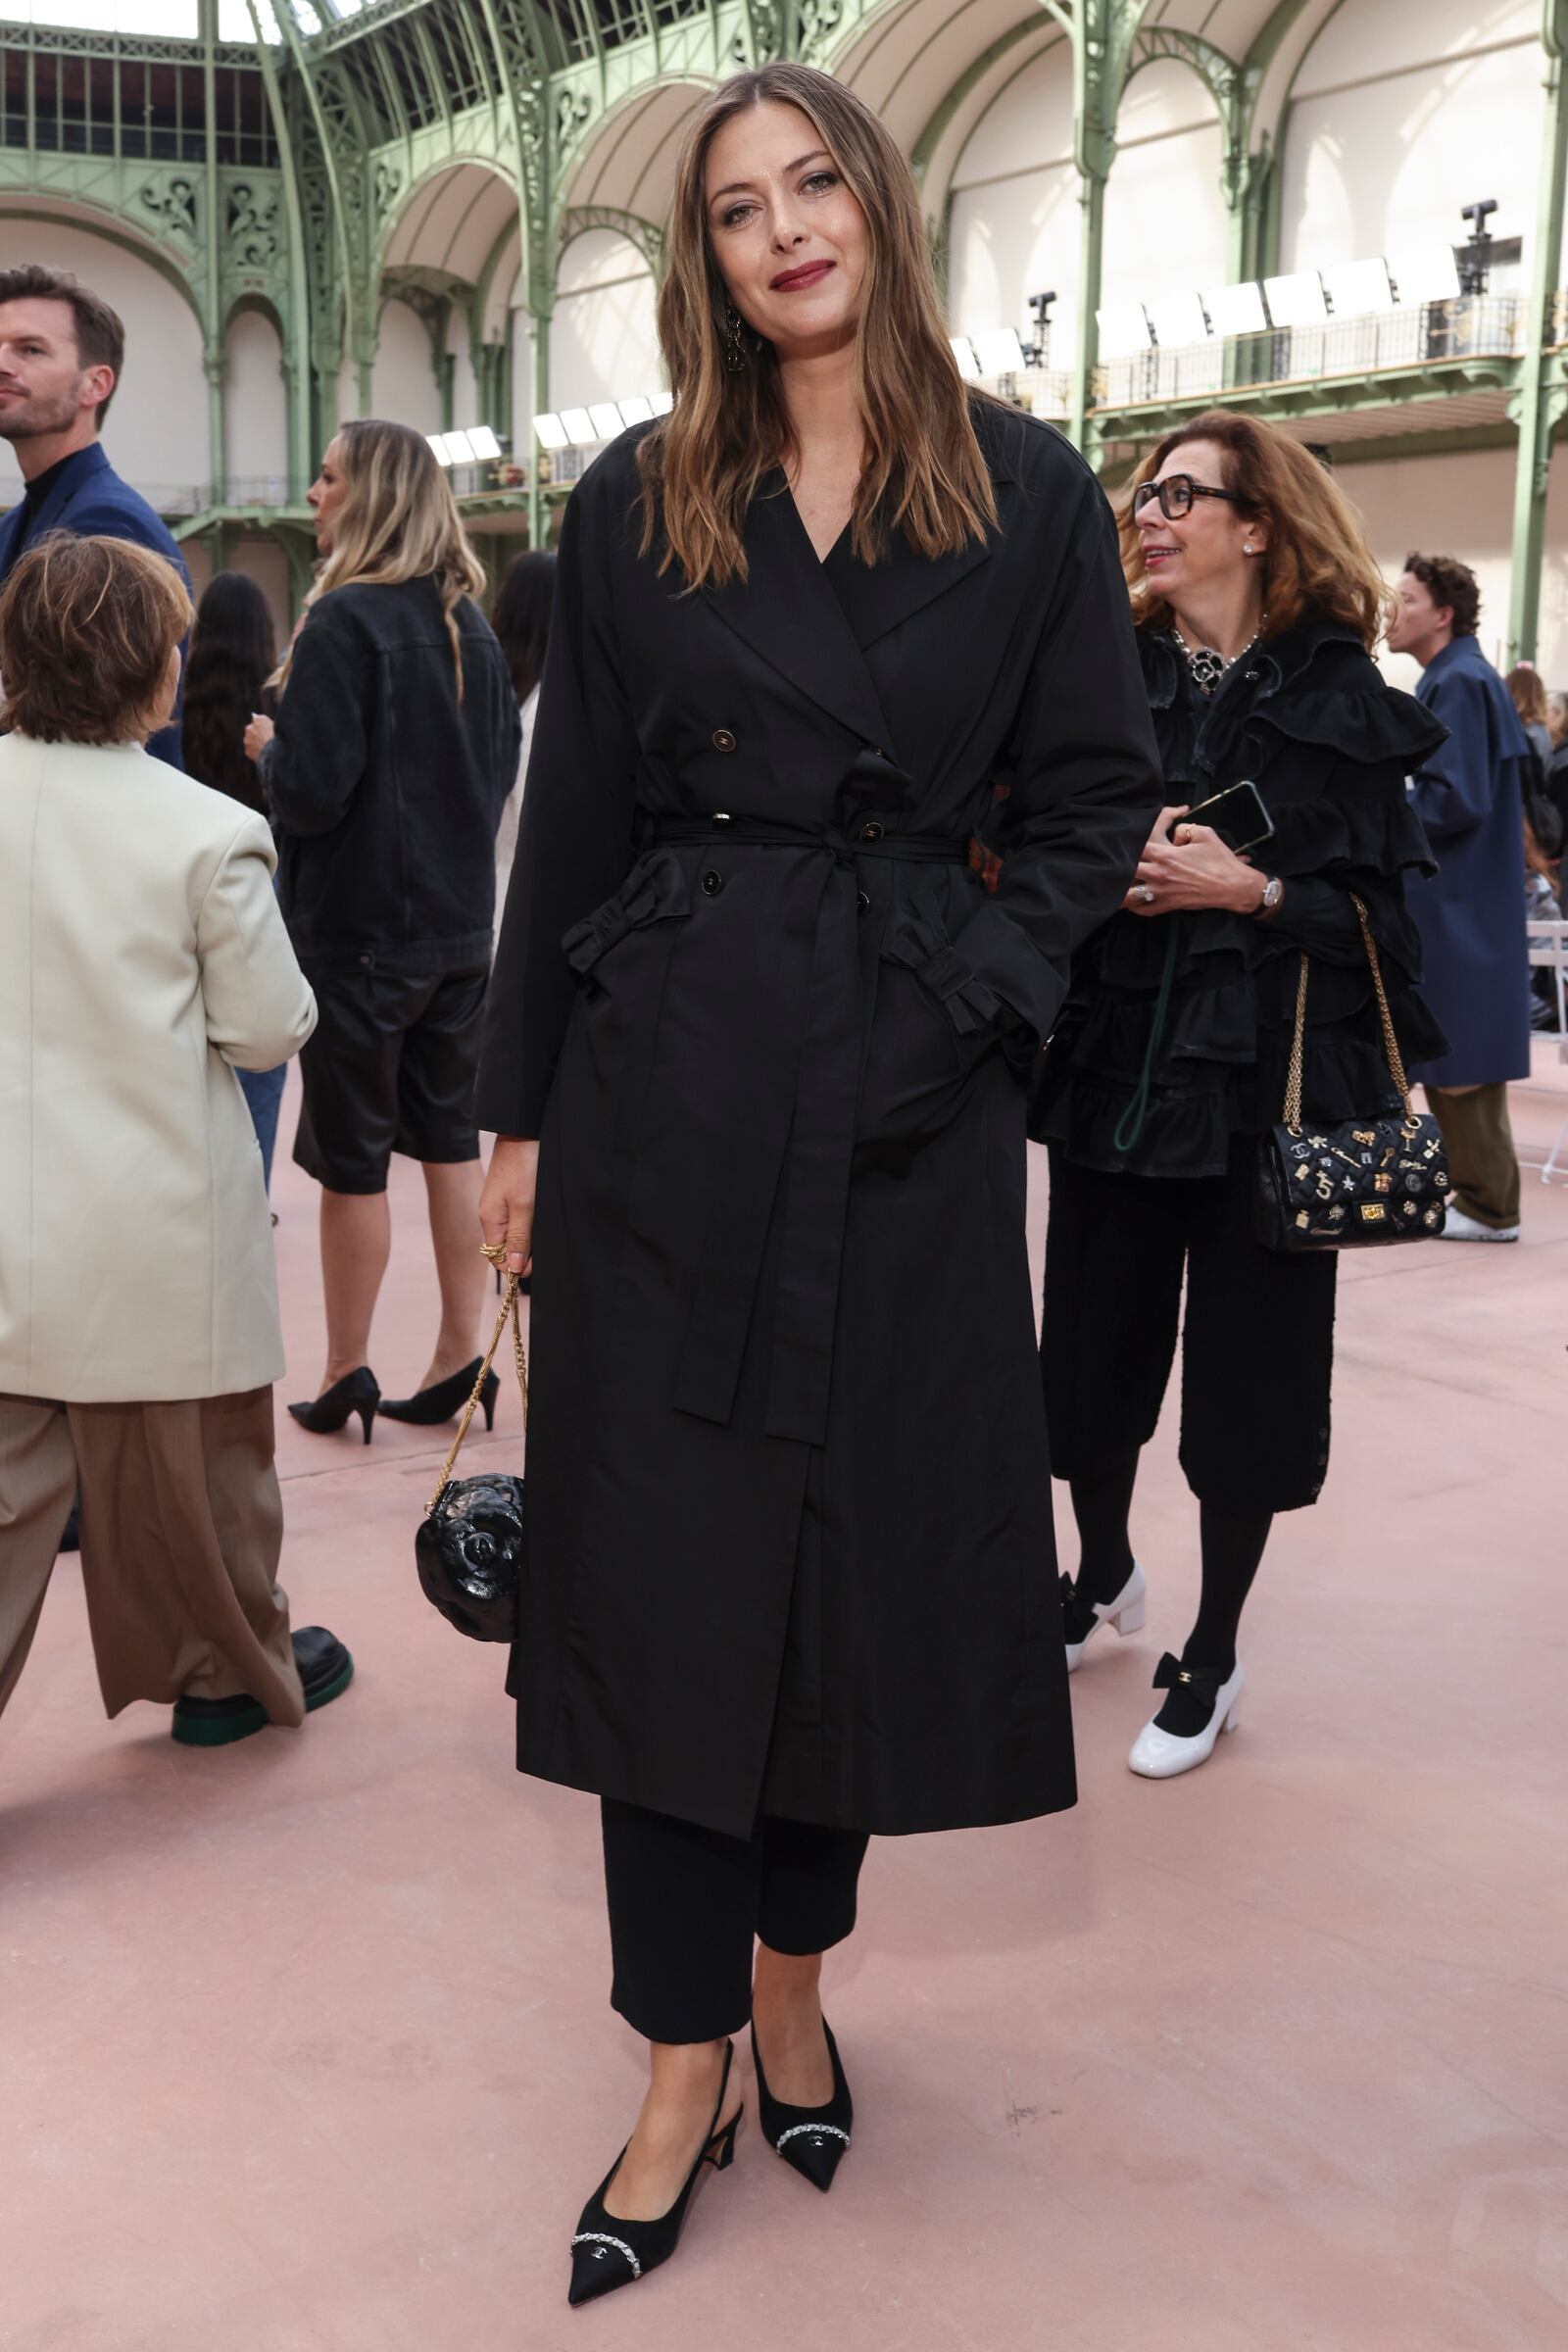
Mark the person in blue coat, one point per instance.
(1469, 795)
(62, 351)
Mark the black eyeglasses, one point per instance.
(1176, 494)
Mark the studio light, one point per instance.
(1123, 330)
(483, 443)
(662, 402)
(1235, 310)
(1296, 300)
(606, 420)
(550, 432)
(438, 443)
(460, 449)
(636, 411)
(1428, 274)
(1357, 289)
(1178, 320)
(963, 352)
(1000, 352)
(579, 428)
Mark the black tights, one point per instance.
(1232, 1550)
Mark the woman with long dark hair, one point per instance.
(755, 1058)
(233, 652)
(1257, 604)
(395, 747)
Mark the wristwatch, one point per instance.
(1273, 891)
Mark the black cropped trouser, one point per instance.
(687, 1905)
(1258, 1342)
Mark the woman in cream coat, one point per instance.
(142, 961)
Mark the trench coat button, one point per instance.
(713, 883)
(366, 960)
(871, 830)
(723, 740)
(862, 901)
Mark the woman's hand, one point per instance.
(258, 735)
(506, 1204)
(1194, 870)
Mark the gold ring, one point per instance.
(495, 1251)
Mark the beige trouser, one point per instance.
(1478, 1138)
(181, 1529)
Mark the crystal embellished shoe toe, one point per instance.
(814, 2140)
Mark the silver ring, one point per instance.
(1140, 890)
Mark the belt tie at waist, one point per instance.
(799, 1154)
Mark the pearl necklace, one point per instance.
(1206, 666)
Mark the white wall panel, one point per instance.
(603, 343)
(254, 409)
(1013, 226)
(1460, 505)
(403, 384)
(156, 431)
(1166, 220)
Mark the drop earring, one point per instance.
(734, 353)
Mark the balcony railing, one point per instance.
(1467, 327)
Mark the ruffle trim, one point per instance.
(1371, 725)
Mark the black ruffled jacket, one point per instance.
(1308, 717)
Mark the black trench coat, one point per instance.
(790, 1535)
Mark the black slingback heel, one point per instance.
(608, 2252)
(443, 1399)
(813, 2140)
(357, 1392)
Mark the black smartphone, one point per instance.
(1237, 814)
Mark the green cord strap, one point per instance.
(1130, 1126)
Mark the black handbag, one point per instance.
(1352, 1183)
(470, 1546)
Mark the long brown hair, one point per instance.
(923, 474)
(398, 521)
(1317, 559)
(1524, 682)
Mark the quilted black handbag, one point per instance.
(470, 1546)
(1353, 1183)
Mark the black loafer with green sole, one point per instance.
(327, 1670)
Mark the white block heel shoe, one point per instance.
(1160, 1755)
(1125, 1613)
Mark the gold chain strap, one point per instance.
(1391, 1044)
(508, 1306)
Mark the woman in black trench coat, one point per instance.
(791, 1570)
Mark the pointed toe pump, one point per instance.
(608, 2252)
(444, 1399)
(357, 1392)
(814, 2140)
(1080, 1623)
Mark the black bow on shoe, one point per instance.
(1203, 1680)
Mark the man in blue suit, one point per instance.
(1471, 913)
(62, 349)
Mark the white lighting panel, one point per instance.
(1235, 310)
(963, 352)
(1359, 289)
(999, 351)
(636, 411)
(662, 402)
(606, 420)
(1123, 330)
(483, 443)
(550, 432)
(1429, 275)
(438, 442)
(1296, 300)
(579, 428)
(1178, 320)
(460, 449)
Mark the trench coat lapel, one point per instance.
(875, 598)
(788, 613)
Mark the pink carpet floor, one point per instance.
(305, 2041)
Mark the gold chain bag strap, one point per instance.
(1352, 1183)
(469, 1545)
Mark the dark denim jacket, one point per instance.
(385, 789)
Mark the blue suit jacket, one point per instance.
(90, 498)
(1471, 913)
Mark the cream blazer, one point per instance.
(142, 960)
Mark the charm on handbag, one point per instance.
(470, 1543)
(1331, 1190)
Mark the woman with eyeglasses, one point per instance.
(1257, 606)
